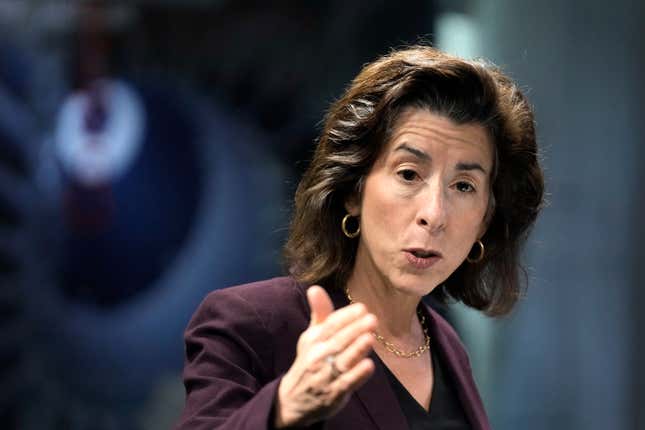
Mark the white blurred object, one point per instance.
(98, 156)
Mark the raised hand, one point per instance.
(331, 362)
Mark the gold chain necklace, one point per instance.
(391, 347)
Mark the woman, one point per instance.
(425, 179)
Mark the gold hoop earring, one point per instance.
(343, 226)
(480, 257)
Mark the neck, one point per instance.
(396, 310)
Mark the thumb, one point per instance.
(320, 304)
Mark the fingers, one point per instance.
(330, 387)
(345, 333)
(342, 318)
(331, 359)
(354, 353)
(320, 304)
(354, 378)
(331, 332)
(342, 338)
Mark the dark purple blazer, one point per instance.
(241, 340)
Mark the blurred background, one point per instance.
(149, 151)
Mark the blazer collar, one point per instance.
(377, 392)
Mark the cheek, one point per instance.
(381, 210)
(470, 221)
(473, 233)
(377, 216)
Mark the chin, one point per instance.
(414, 284)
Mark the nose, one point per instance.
(432, 214)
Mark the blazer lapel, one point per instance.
(456, 363)
(380, 401)
(376, 394)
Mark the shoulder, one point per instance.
(262, 294)
(274, 289)
(261, 319)
(266, 301)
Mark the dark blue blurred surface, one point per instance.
(121, 236)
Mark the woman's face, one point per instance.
(424, 202)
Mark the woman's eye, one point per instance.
(465, 187)
(407, 175)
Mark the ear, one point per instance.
(352, 205)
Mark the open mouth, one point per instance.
(421, 253)
(422, 259)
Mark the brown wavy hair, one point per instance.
(357, 127)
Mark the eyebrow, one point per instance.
(424, 156)
(470, 166)
(416, 152)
